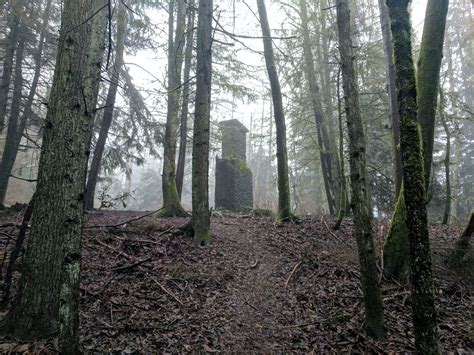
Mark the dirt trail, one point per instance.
(236, 295)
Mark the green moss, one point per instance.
(241, 165)
(396, 254)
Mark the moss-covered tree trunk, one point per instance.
(171, 201)
(447, 158)
(392, 95)
(423, 300)
(322, 135)
(461, 247)
(284, 207)
(200, 184)
(360, 199)
(183, 129)
(12, 142)
(396, 264)
(109, 109)
(54, 240)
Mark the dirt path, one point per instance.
(237, 295)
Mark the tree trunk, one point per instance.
(427, 77)
(183, 137)
(109, 107)
(461, 247)
(171, 201)
(342, 190)
(423, 302)
(12, 144)
(9, 151)
(360, 199)
(392, 95)
(12, 39)
(447, 161)
(201, 215)
(284, 203)
(323, 139)
(396, 263)
(55, 235)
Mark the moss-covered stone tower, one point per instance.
(233, 177)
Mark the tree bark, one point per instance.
(461, 247)
(427, 77)
(171, 201)
(423, 302)
(12, 142)
(200, 165)
(447, 161)
(9, 151)
(360, 199)
(284, 203)
(392, 95)
(396, 260)
(183, 136)
(109, 109)
(12, 39)
(54, 240)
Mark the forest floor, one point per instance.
(260, 287)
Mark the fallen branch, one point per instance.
(164, 289)
(129, 257)
(333, 234)
(292, 272)
(131, 266)
(128, 221)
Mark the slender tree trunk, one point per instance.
(171, 201)
(423, 301)
(392, 95)
(109, 109)
(12, 39)
(284, 203)
(323, 140)
(360, 199)
(201, 216)
(53, 252)
(12, 143)
(447, 161)
(9, 152)
(427, 77)
(461, 246)
(183, 136)
(342, 190)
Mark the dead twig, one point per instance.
(332, 233)
(129, 257)
(164, 289)
(131, 266)
(292, 272)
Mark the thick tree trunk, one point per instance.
(392, 95)
(54, 240)
(201, 214)
(322, 135)
(423, 301)
(171, 201)
(360, 199)
(461, 247)
(284, 203)
(396, 263)
(109, 108)
(183, 135)
(12, 143)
